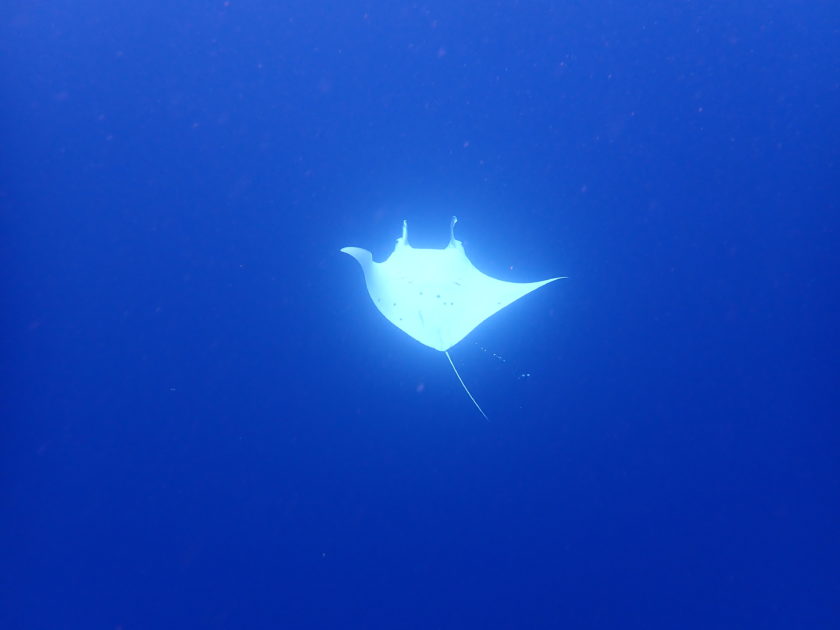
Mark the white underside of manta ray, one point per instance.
(436, 296)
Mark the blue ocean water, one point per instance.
(206, 423)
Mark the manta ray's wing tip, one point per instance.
(363, 256)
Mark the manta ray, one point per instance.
(436, 296)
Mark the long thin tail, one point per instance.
(477, 406)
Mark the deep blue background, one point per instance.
(205, 422)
